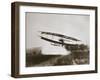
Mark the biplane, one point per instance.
(59, 39)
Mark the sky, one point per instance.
(72, 25)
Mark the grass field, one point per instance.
(34, 57)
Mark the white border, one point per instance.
(50, 69)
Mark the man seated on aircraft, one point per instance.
(62, 41)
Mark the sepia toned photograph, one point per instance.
(57, 39)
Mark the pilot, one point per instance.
(62, 41)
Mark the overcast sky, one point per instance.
(70, 25)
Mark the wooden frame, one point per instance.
(15, 40)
